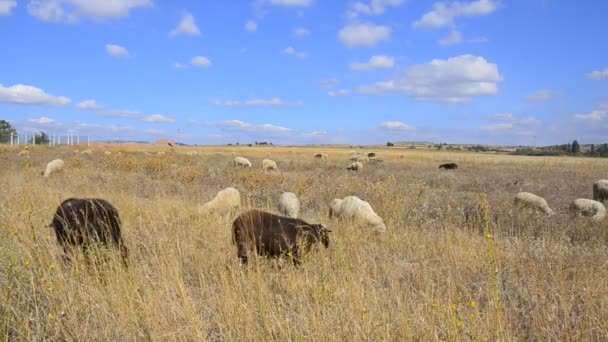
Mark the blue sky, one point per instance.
(307, 71)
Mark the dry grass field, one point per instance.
(430, 276)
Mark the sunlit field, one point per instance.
(432, 275)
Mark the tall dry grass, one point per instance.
(431, 276)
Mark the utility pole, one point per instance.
(34, 138)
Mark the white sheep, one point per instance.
(226, 201)
(53, 167)
(359, 158)
(87, 153)
(107, 153)
(269, 165)
(160, 153)
(358, 211)
(529, 200)
(600, 190)
(289, 205)
(240, 161)
(356, 166)
(588, 208)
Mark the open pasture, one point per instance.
(430, 276)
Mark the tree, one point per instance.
(42, 139)
(576, 148)
(389, 144)
(5, 131)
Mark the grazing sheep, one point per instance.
(356, 166)
(376, 160)
(449, 166)
(76, 151)
(371, 155)
(359, 158)
(600, 190)
(321, 156)
(528, 200)
(53, 167)
(88, 153)
(588, 208)
(357, 210)
(241, 162)
(160, 153)
(275, 236)
(107, 153)
(269, 165)
(84, 221)
(402, 156)
(289, 205)
(226, 201)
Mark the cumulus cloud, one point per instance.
(251, 26)
(72, 11)
(178, 65)
(498, 127)
(125, 114)
(375, 62)
(117, 50)
(301, 32)
(374, 7)
(43, 120)
(241, 126)
(157, 118)
(291, 3)
(455, 37)
(89, 105)
(593, 117)
(363, 35)
(341, 92)
(598, 74)
(200, 61)
(290, 50)
(395, 126)
(444, 13)
(6, 6)
(455, 79)
(512, 124)
(273, 102)
(540, 96)
(29, 95)
(186, 26)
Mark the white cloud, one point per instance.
(598, 74)
(186, 26)
(291, 3)
(455, 37)
(251, 26)
(126, 114)
(504, 117)
(593, 117)
(157, 118)
(201, 61)
(374, 7)
(72, 11)
(290, 50)
(541, 95)
(498, 127)
(512, 124)
(444, 13)
(244, 127)
(89, 105)
(29, 95)
(301, 32)
(6, 6)
(375, 62)
(117, 50)
(273, 102)
(43, 120)
(455, 79)
(363, 35)
(395, 126)
(341, 92)
(178, 65)
(329, 83)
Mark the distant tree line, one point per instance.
(569, 149)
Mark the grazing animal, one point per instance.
(371, 155)
(449, 166)
(359, 158)
(321, 156)
(357, 210)
(170, 144)
(274, 236)
(269, 165)
(80, 222)
(529, 200)
(241, 162)
(376, 160)
(53, 167)
(86, 153)
(588, 208)
(289, 205)
(107, 153)
(226, 201)
(356, 166)
(600, 190)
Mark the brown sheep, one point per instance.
(275, 236)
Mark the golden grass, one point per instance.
(431, 276)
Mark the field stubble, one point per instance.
(432, 275)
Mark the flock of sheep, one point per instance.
(267, 233)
